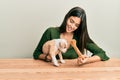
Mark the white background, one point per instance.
(22, 23)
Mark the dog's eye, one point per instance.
(64, 47)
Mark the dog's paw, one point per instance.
(62, 61)
(56, 64)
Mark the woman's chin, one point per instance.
(68, 31)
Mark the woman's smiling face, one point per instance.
(72, 24)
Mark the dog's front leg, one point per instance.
(53, 55)
(54, 60)
(61, 58)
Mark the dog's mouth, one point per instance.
(64, 50)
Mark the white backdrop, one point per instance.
(22, 23)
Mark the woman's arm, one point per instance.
(38, 51)
(98, 54)
(97, 51)
(50, 33)
(88, 59)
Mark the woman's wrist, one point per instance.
(93, 59)
(41, 56)
(45, 57)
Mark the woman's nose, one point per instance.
(72, 25)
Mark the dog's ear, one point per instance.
(62, 45)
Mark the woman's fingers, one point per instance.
(82, 60)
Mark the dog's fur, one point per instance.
(54, 47)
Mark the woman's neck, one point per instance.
(67, 36)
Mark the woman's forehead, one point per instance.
(77, 20)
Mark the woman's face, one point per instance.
(72, 24)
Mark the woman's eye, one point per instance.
(71, 21)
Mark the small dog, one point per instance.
(54, 47)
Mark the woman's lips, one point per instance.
(69, 28)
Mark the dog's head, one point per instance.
(63, 45)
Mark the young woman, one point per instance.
(74, 26)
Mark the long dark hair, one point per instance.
(81, 32)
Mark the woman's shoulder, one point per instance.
(53, 32)
(53, 29)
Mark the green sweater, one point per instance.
(54, 33)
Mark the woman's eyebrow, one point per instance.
(74, 22)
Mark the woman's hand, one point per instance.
(86, 59)
(82, 60)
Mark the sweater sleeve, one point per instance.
(45, 37)
(92, 47)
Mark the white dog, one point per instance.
(54, 47)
